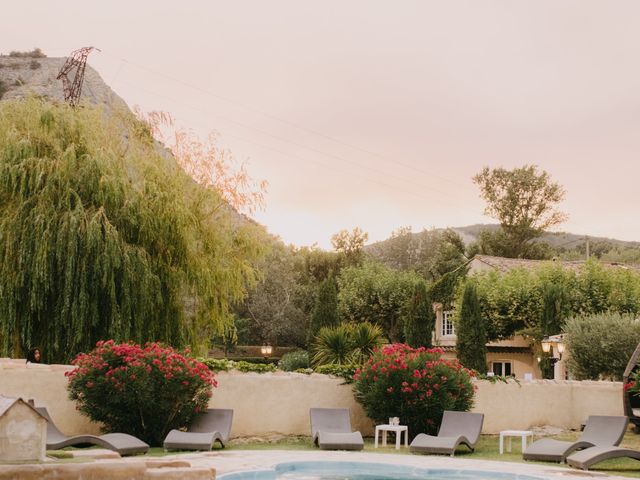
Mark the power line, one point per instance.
(285, 121)
(281, 152)
(312, 149)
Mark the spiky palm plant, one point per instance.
(332, 345)
(365, 338)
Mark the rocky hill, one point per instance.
(21, 76)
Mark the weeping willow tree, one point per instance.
(103, 236)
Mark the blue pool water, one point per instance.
(367, 471)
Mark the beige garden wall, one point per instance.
(279, 402)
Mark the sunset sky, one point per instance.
(377, 113)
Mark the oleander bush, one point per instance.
(415, 384)
(142, 390)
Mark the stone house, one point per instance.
(23, 431)
(514, 356)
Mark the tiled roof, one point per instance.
(503, 264)
(7, 402)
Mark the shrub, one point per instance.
(293, 361)
(344, 371)
(600, 345)
(35, 53)
(224, 365)
(144, 391)
(345, 344)
(417, 385)
(243, 366)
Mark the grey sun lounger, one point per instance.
(600, 430)
(122, 443)
(457, 428)
(212, 426)
(331, 429)
(592, 455)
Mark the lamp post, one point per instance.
(266, 350)
(553, 344)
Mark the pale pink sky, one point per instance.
(377, 114)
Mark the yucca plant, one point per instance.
(332, 345)
(366, 337)
(348, 343)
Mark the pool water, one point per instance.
(367, 471)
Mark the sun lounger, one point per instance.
(457, 428)
(122, 443)
(600, 430)
(331, 429)
(212, 426)
(590, 456)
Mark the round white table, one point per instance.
(397, 429)
(524, 434)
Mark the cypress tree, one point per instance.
(471, 344)
(325, 311)
(421, 319)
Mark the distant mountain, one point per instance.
(470, 233)
(569, 246)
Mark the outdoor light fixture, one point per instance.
(266, 350)
(548, 342)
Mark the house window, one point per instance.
(447, 323)
(502, 368)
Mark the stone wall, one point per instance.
(279, 402)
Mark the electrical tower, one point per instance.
(76, 61)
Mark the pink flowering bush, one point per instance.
(144, 391)
(415, 384)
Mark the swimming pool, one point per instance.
(367, 471)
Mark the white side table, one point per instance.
(398, 429)
(524, 434)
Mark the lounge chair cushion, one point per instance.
(331, 429)
(600, 430)
(551, 450)
(212, 426)
(424, 443)
(340, 441)
(457, 428)
(590, 456)
(179, 440)
(122, 443)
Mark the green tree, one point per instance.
(600, 345)
(276, 310)
(325, 313)
(524, 201)
(102, 236)
(471, 343)
(431, 253)
(350, 245)
(372, 292)
(421, 319)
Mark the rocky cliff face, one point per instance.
(24, 76)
